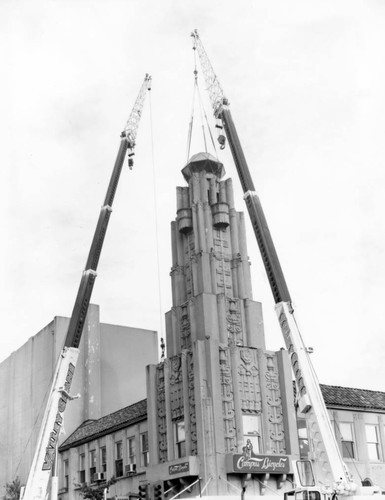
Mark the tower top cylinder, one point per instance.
(203, 162)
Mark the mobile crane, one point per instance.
(43, 463)
(328, 474)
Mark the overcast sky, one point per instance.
(306, 82)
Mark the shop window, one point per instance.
(118, 459)
(131, 450)
(347, 440)
(180, 439)
(372, 441)
(252, 431)
(144, 455)
(65, 474)
(82, 468)
(103, 459)
(303, 439)
(92, 464)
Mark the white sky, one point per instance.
(306, 82)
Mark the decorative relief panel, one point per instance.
(176, 387)
(249, 384)
(274, 406)
(189, 246)
(228, 411)
(185, 329)
(161, 412)
(222, 255)
(234, 322)
(223, 276)
(191, 398)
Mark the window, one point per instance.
(252, 432)
(180, 439)
(303, 439)
(144, 455)
(305, 472)
(65, 474)
(103, 459)
(92, 464)
(118, 459)
(82, 468)
(372, 441)
(347, 440)
(131, 450)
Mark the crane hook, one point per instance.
(222, 141)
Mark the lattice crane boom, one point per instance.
(131, 128)
(214, 88)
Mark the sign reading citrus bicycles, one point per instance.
(260, 464)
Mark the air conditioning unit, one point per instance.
(130, 468)
(98, 476)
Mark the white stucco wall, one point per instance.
(110, 374)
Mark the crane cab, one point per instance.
(304, 478)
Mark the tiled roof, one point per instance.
(92, 429)
(334, 397)
(353, 398)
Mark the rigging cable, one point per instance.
(156, 218)
(191, 120)
(203, 116)
(207, 123)
(200, 112)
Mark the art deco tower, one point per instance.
(219, 395)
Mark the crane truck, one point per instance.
(327, 474)
(43, 464)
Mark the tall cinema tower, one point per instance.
(220, 398)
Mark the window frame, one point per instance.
(119, 472)
(303, 438)
(180, 439)
(131, 450)
(144, 451)
(352, 441)
(103, 458)
(92, 463)
(66, 468)
(255, 437)
(376, 443)
(82, 468)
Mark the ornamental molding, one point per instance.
(274, 405)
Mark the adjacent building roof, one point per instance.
(93, 429)
(334, 397)
(360, 399)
